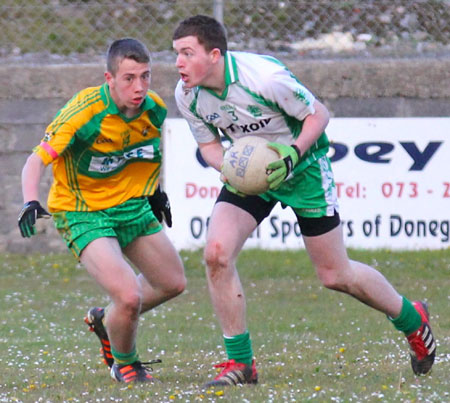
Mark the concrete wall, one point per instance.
(30, 95)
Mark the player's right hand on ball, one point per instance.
(30, 212)
(281, 169)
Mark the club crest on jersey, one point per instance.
(145, 131)
(125, 138)
(254, 110)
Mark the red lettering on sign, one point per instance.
(203, 192)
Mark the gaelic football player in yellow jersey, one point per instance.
(106, 202)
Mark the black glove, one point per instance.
(31, 211)
(161, 206)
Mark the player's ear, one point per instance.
(108, 77)
(215, 55)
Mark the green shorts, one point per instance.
(126, 222)
(311, 193)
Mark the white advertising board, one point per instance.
(392, 177)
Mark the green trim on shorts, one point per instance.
(311, 193)
(125, 222)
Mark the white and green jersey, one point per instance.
(261, 98)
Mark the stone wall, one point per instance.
(30, 95)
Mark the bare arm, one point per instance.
(212, 153)
(313, 127)
(31, 177)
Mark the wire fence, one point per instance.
(393, 28)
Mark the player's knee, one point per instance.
(129, 303)
(177, 286)
(215, 257)
(333, 279)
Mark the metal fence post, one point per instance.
(218, 10)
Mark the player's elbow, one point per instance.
(212, 153)
(322, 113)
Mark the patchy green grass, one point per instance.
(311, 344)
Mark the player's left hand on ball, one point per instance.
(160, 204)
(230, 188)
(30, 212)
(282, 168)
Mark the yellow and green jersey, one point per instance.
(100, 157)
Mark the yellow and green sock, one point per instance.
(125, 358)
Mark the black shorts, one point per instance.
(259, 209)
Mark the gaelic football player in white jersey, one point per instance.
(240, 94)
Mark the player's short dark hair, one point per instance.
(125, 48)
(209, 32)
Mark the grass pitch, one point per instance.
(311, 344)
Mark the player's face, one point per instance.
(129, 85)
(194, 63)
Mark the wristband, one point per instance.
(297, 151)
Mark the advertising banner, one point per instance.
(392, 177)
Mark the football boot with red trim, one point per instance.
(136, 372)
(422, 343)
(234, 373)
(94, 319)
